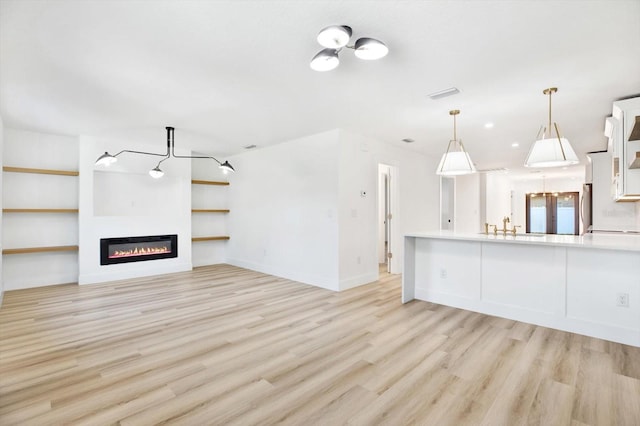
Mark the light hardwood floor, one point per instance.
(223, 345)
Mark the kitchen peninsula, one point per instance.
(583, 284)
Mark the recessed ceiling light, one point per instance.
(515, 145)
(408, 140)
(443, 93)
(488, 125)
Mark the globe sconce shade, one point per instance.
(156, 173)
(370, 49)
(226, 167)
(334, 36)
(325, 60)
(106, 159)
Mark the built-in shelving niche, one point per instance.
(28, 250)
(219, 211)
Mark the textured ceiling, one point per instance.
(232, 73)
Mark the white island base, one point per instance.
(564, 282)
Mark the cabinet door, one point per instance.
(631, 185)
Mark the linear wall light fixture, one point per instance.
(456, 160)
(335, 38)
(107, 159)
(550, 150)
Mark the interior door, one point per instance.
(447, 203)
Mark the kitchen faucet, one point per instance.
(504, 229)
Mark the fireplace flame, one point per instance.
(139, 251)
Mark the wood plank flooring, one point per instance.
(226, 346)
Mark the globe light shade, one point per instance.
(370, 49)
(226, 167)
(106, 159)
(335, 36)
(156, 173)
(325, 60)
(549, 153)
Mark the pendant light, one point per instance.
(456, 160)
(550, 150)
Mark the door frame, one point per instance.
(395, 240)
(551, 201)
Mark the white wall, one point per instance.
(284, 210)
(125, 201)
(357, 212)
(416, 206)
(498, 199)
(297, 209)
(21, 190)
(467, 211)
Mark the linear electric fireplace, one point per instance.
(137, 249)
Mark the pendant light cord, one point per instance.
(454, 128)
(550, 92)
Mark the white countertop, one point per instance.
(597, 241)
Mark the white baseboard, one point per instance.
(314, 280)
(363, 279)
(116, 275)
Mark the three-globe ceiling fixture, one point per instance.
(335, 38)
(107, 159)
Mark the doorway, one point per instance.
(387, 218)
(553, 213)
(447, 203)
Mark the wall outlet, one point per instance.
(443, 273)
(622, 299)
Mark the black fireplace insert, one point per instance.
(137, 249)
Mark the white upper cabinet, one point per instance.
(625, 149)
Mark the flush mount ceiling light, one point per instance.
(550, 150)
(107, 159)
(335, 38)
(456, 160)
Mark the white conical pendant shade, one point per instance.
(549, 153)
(456, 160)
(455, 163)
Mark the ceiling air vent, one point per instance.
(408, 140)
(444, 93)
(495, 170)
(249, 146)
